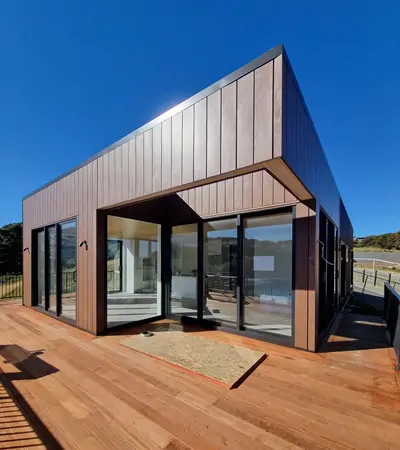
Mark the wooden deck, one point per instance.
(77, 391)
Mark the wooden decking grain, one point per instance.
(94, 393)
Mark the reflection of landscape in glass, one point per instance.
(267, 269)
(184, 270)
(114, 265)
(68, 269)
(220, 270)
(40, 269)
(52, 255)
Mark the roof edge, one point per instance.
(228, 79)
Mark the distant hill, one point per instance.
(11, 248)
(386, 241)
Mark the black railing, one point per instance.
(11, 286)
(392, 318)
(68, 282)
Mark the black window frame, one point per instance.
(34, 271)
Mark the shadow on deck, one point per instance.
(20, 426)
(359, 327)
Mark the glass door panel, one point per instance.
(68, 241)
(220, 271)
(267, 269)
(114, 265)
(52, 267)
(184, 270)
(41, 273)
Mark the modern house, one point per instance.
(222, 211)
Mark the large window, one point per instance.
(55, 257)
(267, 269)
(184, 270)
(138, 296)
(220, 271)
(68, 269)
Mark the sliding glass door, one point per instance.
(55, 266)
(41, 270)
(267, 271)
(68, 268)
(220, 271)
(245, 269)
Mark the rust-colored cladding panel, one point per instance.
(125, 172)
(157, 163)
(148, 162)
(166, 154)
(139, 185)
(245, 120)
(221, 188)
(228, 128)
(132, 168)
(263, 112)
(177, 149)
(200, 140)
(188, 145)
(214, 134)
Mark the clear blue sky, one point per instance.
(75, 76)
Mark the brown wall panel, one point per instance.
(248, 191)
(200, 140)
(157, 162)
(188, 145)
(263, 112)
(139, 184)
(245, 120)
(221, 188)
(214, 134)
(213, 198)
(228, 128)
(177, 138)
(132, 168)
(125, 172)
(118, 174)
(257, 189)
(148, 162)
(166, 154)
(245, 192)
(206, 200)
(279, 193)
(301, 229)
(279, 73)
(229, 195)
(238, 193)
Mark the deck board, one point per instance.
(93, 392)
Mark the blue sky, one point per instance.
(76, 76)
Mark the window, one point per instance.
(55, 256)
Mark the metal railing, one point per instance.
(11, 286)
(392, 318)
(375, 279)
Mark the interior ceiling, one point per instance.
(122, 228)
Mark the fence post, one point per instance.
(390, 277)
(376, 273)
(363, 276)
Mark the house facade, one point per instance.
(222, 211)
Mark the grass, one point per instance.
(374, 249)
